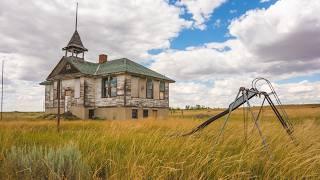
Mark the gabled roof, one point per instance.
(76, 42)
(113, 66)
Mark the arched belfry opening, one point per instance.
(75, 46)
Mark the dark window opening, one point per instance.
(109, 87)
(149, 89)
(145, 113)
(91, 113)
(134, 114)
(162, 89)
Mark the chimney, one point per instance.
(103, 58)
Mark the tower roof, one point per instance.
(75, 42)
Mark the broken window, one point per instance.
(162, 89)
(134, 114)
(149, 89)
(145, 113)
(113, 87)
(109, 87)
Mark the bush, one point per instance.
(45, 163)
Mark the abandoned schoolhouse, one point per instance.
(106, 89)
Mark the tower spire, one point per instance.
(76, 27)
(75, 45)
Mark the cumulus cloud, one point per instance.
(201, 10)
(271, 41)
(289, 30)
(33, 32)
(280, 42)
(222, 92)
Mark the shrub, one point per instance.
(40, 162)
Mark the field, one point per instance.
(31, 148)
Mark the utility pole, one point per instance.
(2, 88)
(58, 94)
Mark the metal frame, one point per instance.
(246, 95)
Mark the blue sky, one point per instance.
(225, 13)
(190, 41)
(217, 30)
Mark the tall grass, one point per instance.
(150, 149)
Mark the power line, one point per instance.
(2, 88)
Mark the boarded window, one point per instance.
(134, 114)
(51, 89)
(149, 89)
(142, 88)
(109, 87)
(77, 88)
(145, 113)
(162, 89)
(134, 87)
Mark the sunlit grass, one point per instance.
(152, 149)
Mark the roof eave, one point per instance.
(45, 83)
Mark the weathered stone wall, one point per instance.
(91, 97)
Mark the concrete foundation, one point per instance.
(115, 113)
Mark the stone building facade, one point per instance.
(108, 89)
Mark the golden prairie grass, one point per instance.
(151, 149)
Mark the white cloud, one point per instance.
(201, 10)
(277, 43)
(33, 32)
(217, 23)
(224, 91)
(263, 1)
(289, 30)
(232, 11)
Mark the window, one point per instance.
(91, 113)
(149, 89)
(68, 67)
(134, 114)
(77, 88)
(145, 113)
(162, 89)
(104, 87)
(109, 87)
(134, 87)
(113, 87)
(51, 89)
